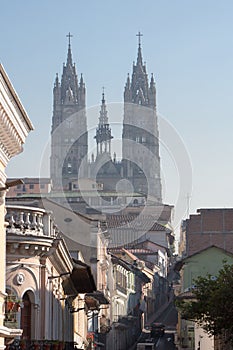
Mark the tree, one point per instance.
(211, 305)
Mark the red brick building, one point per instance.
(207, 228)
(30, 185)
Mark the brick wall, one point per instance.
(209, 227)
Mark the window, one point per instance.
(31, 186)
(69, 167)
(143, 139)
(69, 124)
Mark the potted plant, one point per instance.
(10, 305)
(18, 305)
(13, 303)
(47, 345)
(55, 345)
(23, 344)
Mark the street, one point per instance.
(169, 319)
(165, 342)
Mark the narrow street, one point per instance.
(169, 319)
(165, 343)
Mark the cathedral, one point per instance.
(139, 169)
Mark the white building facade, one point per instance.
(14, 128)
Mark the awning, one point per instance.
(144, 278)
(81, 279)
(99, 296)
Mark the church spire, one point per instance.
(139, 58)
(103, 132)
(71, 93)
(69, 55)
(103, 118)
(137, 89)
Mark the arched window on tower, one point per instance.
(69, 166)
(143, 139)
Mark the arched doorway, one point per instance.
(26, 317)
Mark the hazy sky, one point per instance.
(188, 45)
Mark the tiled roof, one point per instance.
(33, 180)
(126, 229)
(131, 267)
(136, 222)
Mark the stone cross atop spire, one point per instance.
(69, 55)
(139, 38)
(139, 58)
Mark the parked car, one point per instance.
(157, 329)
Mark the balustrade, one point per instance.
(29, 220)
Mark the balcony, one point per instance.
(12, 307)
(29, 231)
(11, 320)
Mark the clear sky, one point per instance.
(188, 45)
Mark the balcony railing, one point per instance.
(30, 220)
(121, 288)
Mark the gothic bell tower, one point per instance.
(69, 128)
(140, 137)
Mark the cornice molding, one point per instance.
(61, 258)
(11, 142)
(3, 176)
(14, 122)
(14, 99)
